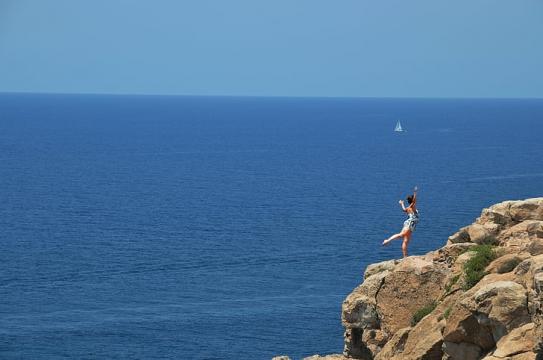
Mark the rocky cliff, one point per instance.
(478, 297)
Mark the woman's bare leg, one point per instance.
(396, 236)
(406, 239)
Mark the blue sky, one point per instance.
(396, 48)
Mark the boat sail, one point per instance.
(398, 127)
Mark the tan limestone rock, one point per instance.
(380, 267)
(536, 267)
(500, 306)
(518, 341)
(414, 283)
(532, 228)
(450, 253)
(462, 327)
(522, 356)
(461, 351)
(359, 308)
(480, 234)
(395, 346)
(374, 340)
(424, 340)
(535, 247)
(525, 236)
(525, 356)
(537, 310)
(487, 311)
(505, 263)
(461, 236)
(498, 214)
(530, 209)
(327, 357)
(495, 319)
(461, 260)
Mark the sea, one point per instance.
(176, 227)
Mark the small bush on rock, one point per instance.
(422, 312)
(451, 283)
(447, 312)
(474, 268)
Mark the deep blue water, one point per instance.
(229, 228)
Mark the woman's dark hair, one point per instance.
(410, 199)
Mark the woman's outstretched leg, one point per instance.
(395, 236)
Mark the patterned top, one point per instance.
(412, 220)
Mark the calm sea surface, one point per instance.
(229, 228)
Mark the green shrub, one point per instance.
(422, 312)
(474, 268)
(447, 312)
(451, 283)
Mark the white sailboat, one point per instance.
(398, 127)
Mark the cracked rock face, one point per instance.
(538, 314)
(386, 302)
(486, 314)
(413, 284)
(501, 317)
(519, 340)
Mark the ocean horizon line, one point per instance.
(92, 94)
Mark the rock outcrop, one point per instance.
(478, 297)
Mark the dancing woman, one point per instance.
(409, 225)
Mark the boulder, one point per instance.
(380, 267)
(530, 209)
(374, 340)
(461, 351)
(359, 309)
(450, 253)
(327, 357)
(537, 309)
(532, 228)
(387, 300)
(425, 340)
(535, 247)
(501, 306)
(360, 318)
(480, 234)
(461, 260)
(413, 284)
(519, 340)
(524, 236)
(525, 356)
(462, 327)
(461, 236)
(532, 275)
(505, 263)
(395, 346)
(486, 313)
(499, 214)
(522, 356)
